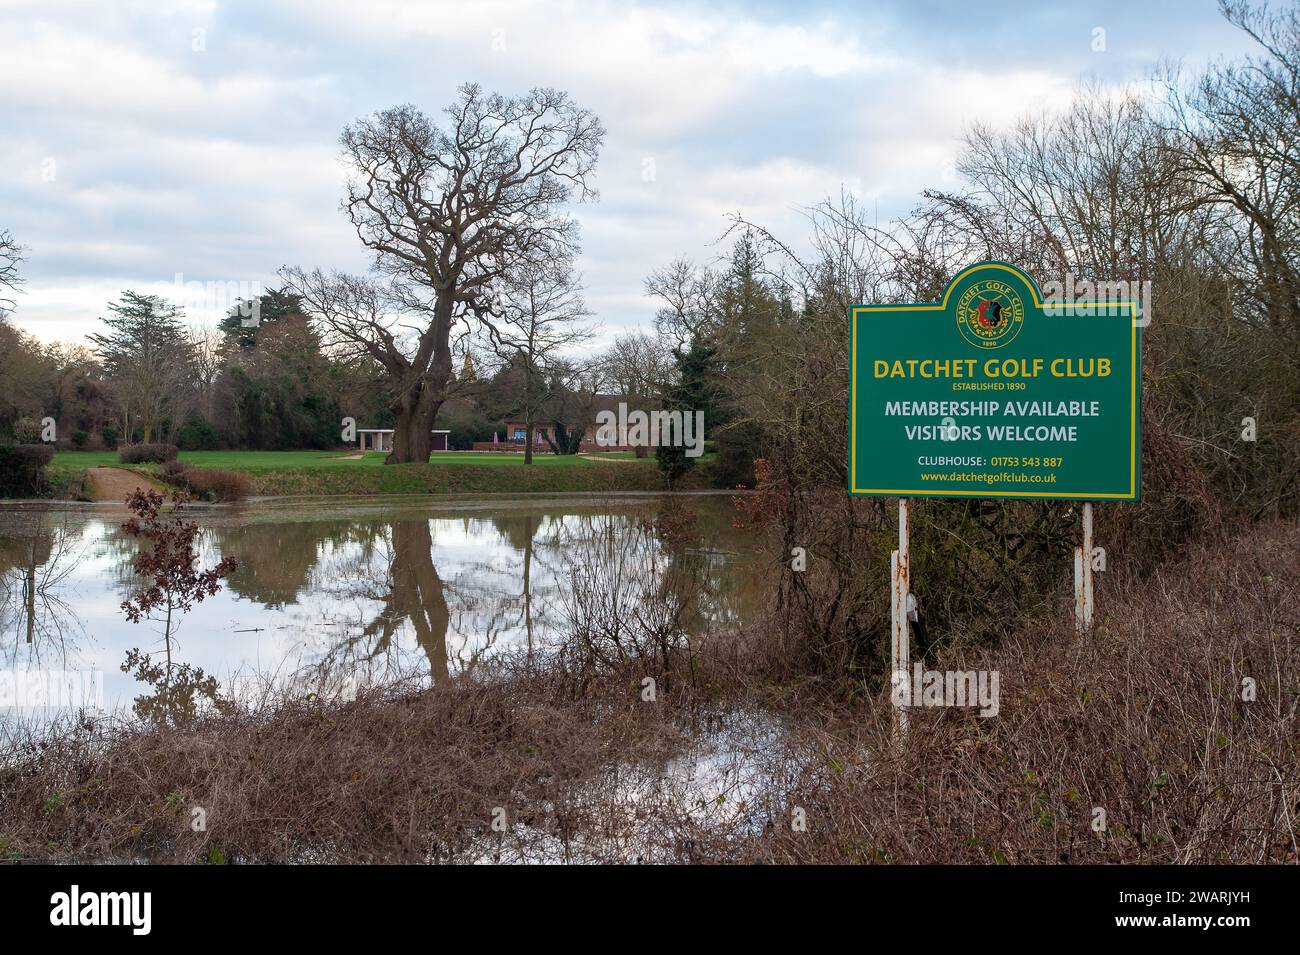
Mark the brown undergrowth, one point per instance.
(1139, 742)
(1169, 734)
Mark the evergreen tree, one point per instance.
(696, 390)
(147, 357)
(247, 318)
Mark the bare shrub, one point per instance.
(147, 453)
(629, 605)
(173, 472)
(1148, 719)
(218, 485)
(395, 775)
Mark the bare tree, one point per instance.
(207, 345)
(1235, 136)
(362, 327)
(10, 256)
(541, 314)
(354, 316)
(688, 295)
(448, 211)
(639, 364)
(1090, 192)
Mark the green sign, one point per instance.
(993, 393)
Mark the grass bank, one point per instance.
(276, 473)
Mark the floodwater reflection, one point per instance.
(37, 558)
(356, 590)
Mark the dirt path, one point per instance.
(114, 484)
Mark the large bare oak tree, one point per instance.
(449, 210)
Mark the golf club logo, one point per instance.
(990, 313)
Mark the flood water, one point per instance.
(367, 590)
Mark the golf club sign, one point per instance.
(991, 392)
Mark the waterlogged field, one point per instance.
(337, 590)
(540, 743)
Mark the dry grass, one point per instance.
(1144, 718)
(392, 776)
(217, 484)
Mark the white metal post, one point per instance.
(1083, 592)
(900, 589)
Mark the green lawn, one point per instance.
(277, 473)
(84, 459)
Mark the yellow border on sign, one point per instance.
(942, 306)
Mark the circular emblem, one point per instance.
(990, 313)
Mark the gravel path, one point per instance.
(114, 484)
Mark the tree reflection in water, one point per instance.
(37, 560)
(393, 568)
(373, 592)
(415, 596)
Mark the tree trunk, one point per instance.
(413, 432)
(530, 409)
(421, 391)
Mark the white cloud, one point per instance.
(222, 164)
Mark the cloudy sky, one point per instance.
(142, 140)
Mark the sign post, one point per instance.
(1083, 595)
(992, 392)
(900, 595)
